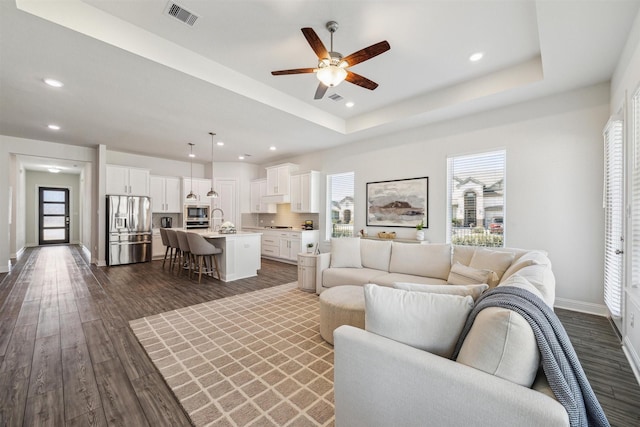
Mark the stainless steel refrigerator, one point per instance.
(128, 229)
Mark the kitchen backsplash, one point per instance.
(176, 221)
(283, 217)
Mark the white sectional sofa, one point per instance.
(381, 380)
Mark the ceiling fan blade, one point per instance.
(293, 71)
(315, 42)
(320, 91)
(367, 53)
(361, 81)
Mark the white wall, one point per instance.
(553, 179)
(625, 82)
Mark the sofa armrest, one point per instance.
(380, 382)
(322, 263)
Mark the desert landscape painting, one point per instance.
(398, 203)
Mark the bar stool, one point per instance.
(185, 260)
(167, 244)
(201, 249)
(173, 243)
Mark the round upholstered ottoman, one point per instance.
(341, 305)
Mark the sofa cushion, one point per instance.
(349, 276)
(392, 278)
(462, 254)
(345, 252)
(530, 258)
(431, 322)
(496, 261)
(501, 343)
(432, 260)
(463, 275)
(474, 291)
(375, 254)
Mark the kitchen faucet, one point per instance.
(221, 218)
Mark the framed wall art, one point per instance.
(398, 203)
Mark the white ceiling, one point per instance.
(142, 82)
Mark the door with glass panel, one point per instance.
(54, 216)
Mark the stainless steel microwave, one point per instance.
(196, 212)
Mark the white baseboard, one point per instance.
(7, 268)
(632, 356)
(18, 254)
(101, 263)
(582, 307)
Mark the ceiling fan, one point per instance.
(332, 67)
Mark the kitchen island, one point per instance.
(240, 257)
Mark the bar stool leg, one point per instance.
(200, 268)
(215, 261)
(165, 255)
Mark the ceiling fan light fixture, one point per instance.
(331, 75)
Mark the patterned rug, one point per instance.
(255, 359)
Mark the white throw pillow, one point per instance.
(474, 291)
(501, 343)
(375, 254)
(433, 260)
(463, 275)
(345, 252)
(496, 261)
(430, 322)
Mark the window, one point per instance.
(635, 193)
(475, 199)
(340, 205)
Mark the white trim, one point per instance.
(101, 263)
(7, 268)
(582, 307)
(18, 254)
(632, 356)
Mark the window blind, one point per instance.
(635, 192)
(476, 199)
(614, 215)
(340, 206)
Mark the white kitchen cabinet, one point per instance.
(305, 192)
(227, 200)
(286, 245)
(128, 181)
(165, 194)
(200, 188)
(270, 244)
(258, 190)
(289, 245)
(157, 248)
(278, 179)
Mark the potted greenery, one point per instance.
(310, 247)
(419, 232)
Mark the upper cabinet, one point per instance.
(305, 192)
(278, 179)
(200, 188)
(258, 190)
(165, 194)
(129, 181)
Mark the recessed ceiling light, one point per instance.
(349, 104)
(54, 170)
(240, 157)
(272, 148)
(53, 82)
(53, 127)
(476, 56)
(220, 143)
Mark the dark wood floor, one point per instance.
(68, 357)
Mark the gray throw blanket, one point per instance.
(559, 360)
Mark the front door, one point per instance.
(54, 216)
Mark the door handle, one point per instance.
(619, 251)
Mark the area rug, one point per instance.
(255, 359)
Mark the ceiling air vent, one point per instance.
(335, 97)
(181, 13)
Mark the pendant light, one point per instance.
(191, 195)
(212, 193)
